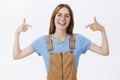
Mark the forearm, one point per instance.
(103, 49)
(104, 45)
(16, 45)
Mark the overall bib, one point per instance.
(61, 66)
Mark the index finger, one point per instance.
(95, 19)
(29, 25)
(89, 25)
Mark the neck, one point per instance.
(60, 36)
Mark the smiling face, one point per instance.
(62, 19)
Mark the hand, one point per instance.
(95, 26)
(23, 27)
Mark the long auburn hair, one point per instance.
(52, 24)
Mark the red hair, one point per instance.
(52, 24)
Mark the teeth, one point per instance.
(61, 23)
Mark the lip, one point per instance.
(61, 23)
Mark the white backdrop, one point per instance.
(38, 13)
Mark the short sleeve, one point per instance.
(37, 45)
(83, 42)
(85, 45)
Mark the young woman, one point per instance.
(62, 48)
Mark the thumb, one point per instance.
(24, 21)
(95, 19)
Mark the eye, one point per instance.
(59, 15)
(67, 16)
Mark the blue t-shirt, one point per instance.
(40, 46)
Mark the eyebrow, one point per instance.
(61, 13)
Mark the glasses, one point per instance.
(60, 16)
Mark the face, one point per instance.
(62, 19)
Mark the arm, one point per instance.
(17, 52)
(103, 49)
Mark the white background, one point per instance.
(38, 13)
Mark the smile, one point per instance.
(61, 23)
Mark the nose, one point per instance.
(62, 18)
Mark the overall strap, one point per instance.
(50, 46)
(72, 41)
(49, 41)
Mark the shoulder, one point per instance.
(44, 37)
(78, 36)
(81, 38)
(41, 39)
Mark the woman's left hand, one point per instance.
(95, 26)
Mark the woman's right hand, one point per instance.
(19, 53)
(23, 27)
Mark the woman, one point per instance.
(62, 48)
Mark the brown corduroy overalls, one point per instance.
(61, 66)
